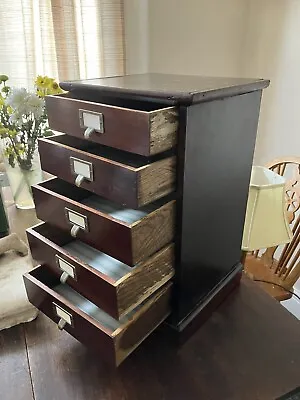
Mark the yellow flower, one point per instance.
(54, 88)
(42, 82)
(46, 86)
(40, 93)
(1, 101)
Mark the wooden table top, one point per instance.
(249, 349)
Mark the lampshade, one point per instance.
(266, 223)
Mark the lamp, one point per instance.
(266, 224)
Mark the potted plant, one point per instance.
(23, 119)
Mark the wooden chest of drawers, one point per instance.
(143, 221)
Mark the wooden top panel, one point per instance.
(171, 89)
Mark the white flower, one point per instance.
(24, 103)
(16, 119)
(35, 105)
(17, 97)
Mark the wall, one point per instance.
(196, 36)
(136, 36)
(272, 50)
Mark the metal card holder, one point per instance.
(77, 219)
(82, 167)
(65, 316)
(66, 267)
(91, 119)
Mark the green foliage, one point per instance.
(23, 122)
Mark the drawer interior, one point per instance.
(116, 211)
(95, 97)
(44, 276)
(119, 156)
(91, 309)
(102, 262)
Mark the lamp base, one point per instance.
(257, 270)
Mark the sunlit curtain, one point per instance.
(64, 39)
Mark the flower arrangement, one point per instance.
(23, 119)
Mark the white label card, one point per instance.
(77, 219)
(91, 120)
(61, 313)
(83, 168)
(65, 266)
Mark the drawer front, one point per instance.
(114, 340)
(113, 180)
(115, 289)
(140, 132)
(129, 243)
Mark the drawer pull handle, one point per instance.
(64, 316)
(77, 220)
(68, 270)
(91, 121)
(79, 179)
(61, 324)
(75, 230)
(81, 169)
(88, 132)
(64, 276)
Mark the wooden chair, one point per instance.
(281, 264)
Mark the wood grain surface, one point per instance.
(145, 279)
(163, 130)
(233, 356)
(153, 230)
(156, 181)
(15, 379)
(134, 184)
(124, 128)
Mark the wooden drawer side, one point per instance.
(156, 181)
(153, 231)
(163, 129)
(144, 322)
(145, 279)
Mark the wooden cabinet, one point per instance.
(143, 221)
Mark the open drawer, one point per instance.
(138, 127)
(126, 234)
(114, 340)
(122, 177)
(110, 284)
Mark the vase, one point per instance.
(20, 181)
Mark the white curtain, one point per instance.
(64, 39)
